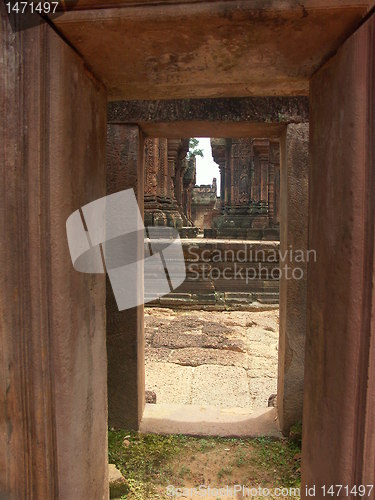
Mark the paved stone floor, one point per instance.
(212, 358)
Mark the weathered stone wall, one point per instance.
(204, 205)
(227, 274)
(293, 235)
(125, 338)
(339, 404)
(53, 417)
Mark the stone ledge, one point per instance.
(118, 485)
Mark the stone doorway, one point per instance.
(324, 49)
(188, 352)
(213, 342)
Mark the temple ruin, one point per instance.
(81, 93)
(205, 205)
(250, 188)
(246, 211)
(169, 180)
(248, 207)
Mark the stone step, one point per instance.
(197, 420)
(268, 298)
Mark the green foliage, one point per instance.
(184, 471)
(295, 434)
(144, 460)
(193, 149)
(240, 457)
(224, 472)
(150, 462)
(280, 456)
(206, 444)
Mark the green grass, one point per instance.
(225, 472)
(151, 462)
(145, 460)
(278, 456)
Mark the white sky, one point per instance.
(207, 169)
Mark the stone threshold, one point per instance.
(194, 420)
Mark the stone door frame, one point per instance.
(53, 412)
(129, 122)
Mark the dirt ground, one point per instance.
(212, 358)
(161, 467)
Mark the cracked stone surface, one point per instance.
(212, 358)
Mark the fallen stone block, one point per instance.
(118, 485)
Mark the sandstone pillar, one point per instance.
(222, 186)
(264, 168)
(151, 168)
(271, 194)
(180, 183)
(248, 180)
(173, 146)
(125, 338)
(172, 150)
(274, 184)
(161, 206)
(153, 214)
(188, 184)
(53, 417)
(293, 236)
(219, 149)
(339, 404)
(255, 176)
(163, 171)
(261, 160)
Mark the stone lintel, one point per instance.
(222, 117)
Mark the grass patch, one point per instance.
(144, 460)
(280, 456)
(151, 462)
